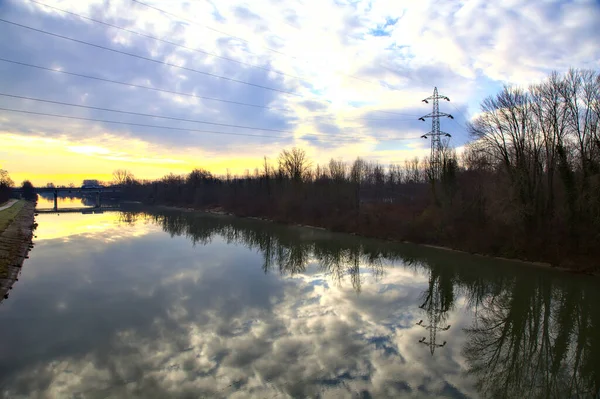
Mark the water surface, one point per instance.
(172, 304)
(47, 202)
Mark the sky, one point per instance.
(219, 85)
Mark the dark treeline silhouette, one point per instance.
(533, 334)
(527, 186)
(363, 197)
(28, 191)
(6, 184)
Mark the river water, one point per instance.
(163, 303)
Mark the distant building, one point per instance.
(91, 184)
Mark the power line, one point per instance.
(139, 124)
(365, 118)
(169, 42)
(190, 48)
(160, 116)
(393, 113)
(141, 86)
(316, 136)
(238, 38)
(208, 27)
(460, 112)
(149, 59)
(143, 114)
(464, 117)
(163, 63)
(164, 90)
(460, 125)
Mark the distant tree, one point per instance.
(267, 169)
(294, 163)
(5, 185)
(5, 179)
(122, 176)
(28, 191)
(338, 170)
(198, 176)
(50, 185)
(357, 171)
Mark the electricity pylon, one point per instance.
(435, 160)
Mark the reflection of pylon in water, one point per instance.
(436, 314)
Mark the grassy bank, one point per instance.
(7, 216)
(16, 225)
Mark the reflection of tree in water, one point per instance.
(536, 341)
(128, 218)
(438, 299)
(287, 250)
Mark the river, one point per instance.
(164, 303)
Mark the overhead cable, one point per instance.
(149, 59)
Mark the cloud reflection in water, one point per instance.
(255, 309)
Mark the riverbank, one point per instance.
(573, 268)
(16, 233)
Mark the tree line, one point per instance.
(6, 185)
(526, 186)
(535, 164)
(356, 197)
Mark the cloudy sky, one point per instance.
(220, 84)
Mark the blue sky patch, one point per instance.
(384, 29)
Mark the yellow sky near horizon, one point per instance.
(42, 160)
(61, 161)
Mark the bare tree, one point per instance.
(198, 176)
(267, 169)
(338, 170)
(580, 92)
(294, 164)
(122, 176)
(357, 172)
(412, 172)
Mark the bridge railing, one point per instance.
(70, 189)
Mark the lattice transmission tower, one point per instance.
(435, 160)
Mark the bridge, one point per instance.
(72, 190)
